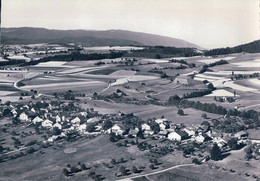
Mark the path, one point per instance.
(157, 172)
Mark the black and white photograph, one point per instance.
(130, 90)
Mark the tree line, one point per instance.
(213, 108)
(253, 47)
(76, 56)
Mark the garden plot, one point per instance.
(235, 86)
(54, 64)
(155, 60)
(212, 60)
(63, 85)
(119, 81)
(249, 64)
(4, 93)
(221, 82)
(181, 58)
(227, 73)
(254, 81)
(107, 48)
(202, 77)
(221, 92)
(123, 73)
(134, 78)
(80, 70)
(19, 57)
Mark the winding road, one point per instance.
(157, 172)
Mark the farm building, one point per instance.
(185, 80)
(47, 123)
(200, 138)
(159, 121)
(92, 120)
(174, 136)
(75, 120)
(146, 127)
(23, 117)
(189, 132)
(116, 129)
(82, 127)
(58, 119)
(37, 120)
(241, 134)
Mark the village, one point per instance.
(51, 121)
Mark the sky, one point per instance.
(207, 23)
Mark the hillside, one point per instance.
(252, 47)
(88, 37)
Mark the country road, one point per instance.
(157, 172)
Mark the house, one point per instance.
(57, 125)
(146, 127)
(26, 107)
(82, 127)
(23, 117)
(37, 120)
(162, 120)
(162, 126)
(133, 132)
(220, 142)
(47, 123)
(58, 119)
(189, 132)
(92, 120)
(117, 130)
(75, 120)
(14, 112)
(83, 114)
(174, 136)
(241, 134)
(163, 134)
(200, 138)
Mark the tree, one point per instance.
(113, 161)
(135, 170)
(232, 143)
(152, 166)
(74, 169)
(196, 161)
(123, 170)
(157, 56)
(211, 86)
(180, 112)
(66, 172)
(83, 167)
(204, 116)
(107, 124)
(155, 127)
(215, 152)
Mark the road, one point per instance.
(157, 172)
(249, 106)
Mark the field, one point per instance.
(193, 173)
(142, 88)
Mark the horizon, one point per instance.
(220, 24)
(203, 48)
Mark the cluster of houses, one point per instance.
(180, 133)
(54, 115)
(66, 117)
